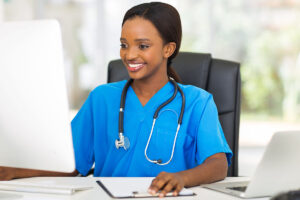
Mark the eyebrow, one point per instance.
(136, 40)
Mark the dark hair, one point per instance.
(167, 21)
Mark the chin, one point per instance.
(136, 76)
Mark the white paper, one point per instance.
(19, 186)
(126, 187)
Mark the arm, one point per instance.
(213, 169)
(9, 173)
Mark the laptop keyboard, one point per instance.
(242, 188)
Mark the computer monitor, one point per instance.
(35, 127)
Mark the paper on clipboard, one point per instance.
(130, 187)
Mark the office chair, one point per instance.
(219, 77)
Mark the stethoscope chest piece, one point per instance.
(123, 142)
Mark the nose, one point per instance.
(131, 54)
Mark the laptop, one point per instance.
(278, 171)
(35, 127)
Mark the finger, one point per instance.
(177, 189)
(152, 187)
(158, 183)
(161, 174)
(168, 188)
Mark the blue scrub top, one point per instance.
(95, 129)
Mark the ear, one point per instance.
(169, 49)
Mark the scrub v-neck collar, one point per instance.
(158, 98)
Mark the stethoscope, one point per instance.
(124, 141)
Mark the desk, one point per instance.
(98, 194)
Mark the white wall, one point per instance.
(1, 11)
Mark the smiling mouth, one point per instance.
(135, 67)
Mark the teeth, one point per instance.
(135, 65)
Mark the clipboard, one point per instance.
(132, 187)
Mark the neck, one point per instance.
(149, 86)
(145, 89)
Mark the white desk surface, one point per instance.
(97, 193)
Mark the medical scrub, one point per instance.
(95, 129)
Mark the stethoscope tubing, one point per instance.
(121, 141)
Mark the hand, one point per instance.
(166, 182)
(7, 173)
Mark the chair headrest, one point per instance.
(193, 68)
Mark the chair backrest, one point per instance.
(219, 77)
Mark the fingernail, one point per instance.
(151, 191)
(161, 195)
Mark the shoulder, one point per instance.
(195, 93)
(108, 90)
(197, 99)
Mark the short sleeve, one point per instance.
(82, 132)
(210, 136)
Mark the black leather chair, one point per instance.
(219, 77)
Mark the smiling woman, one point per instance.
(199, 154)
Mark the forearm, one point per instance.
(212, 170)
(8, 173)
(23, 173)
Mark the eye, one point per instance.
(144, 46)
(123, 46)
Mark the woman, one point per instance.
(193, 153)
